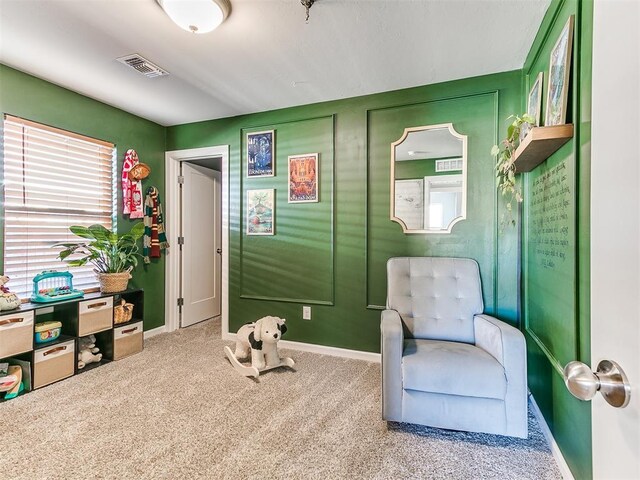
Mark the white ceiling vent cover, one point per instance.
(451, 165)
(143, 66)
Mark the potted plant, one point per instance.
(112, 255)
(505, 164)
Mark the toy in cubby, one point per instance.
(87, 351)
(11, 380)
(8, 300)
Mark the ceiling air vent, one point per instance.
(143, 66)
(451, 165)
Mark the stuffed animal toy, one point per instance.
(8, 300)
(260, 339)
(86, 357)
(87, 351)
(88, 343)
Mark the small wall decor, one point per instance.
(559, 68)
(139, 171)
(155, 238)
(534, 102)
(131, 188)
(260, 154)
(303, 178)
(260, 212)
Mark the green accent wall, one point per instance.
(555, 249)
(332, 254)
(29, 97)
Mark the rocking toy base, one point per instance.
(250, 371)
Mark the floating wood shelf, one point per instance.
(539, 144)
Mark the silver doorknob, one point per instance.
(609, 379)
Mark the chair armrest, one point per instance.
(507, 345)
(391, 326)
(392, 344)
(504, 342)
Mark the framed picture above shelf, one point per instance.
(539, 144)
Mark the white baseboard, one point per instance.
(321, 349)
(155, 331)
(555, 449)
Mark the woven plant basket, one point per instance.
(113, 282)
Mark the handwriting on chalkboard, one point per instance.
(550, 216)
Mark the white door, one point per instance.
(201, 254)
(615, 224)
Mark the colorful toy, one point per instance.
(18, 387)
(7, 380)
(47, 331)
(8, 300)
(87, 351)
(53, 286)
(260, 341)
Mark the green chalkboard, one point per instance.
(551, 258)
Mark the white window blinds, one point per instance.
(52, 179)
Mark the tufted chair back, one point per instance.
(436, 297)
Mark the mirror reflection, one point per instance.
(428, 172)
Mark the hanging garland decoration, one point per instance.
(307, 4)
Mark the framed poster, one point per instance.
(559, 68)
(260, 154)
(260, 212)
(534, 102)
(303, 178)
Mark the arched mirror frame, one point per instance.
(392, 200)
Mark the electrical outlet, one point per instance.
(306, 313)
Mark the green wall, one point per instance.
(555, 261)
(332, 254)
(28, 97)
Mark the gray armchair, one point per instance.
(444, 363)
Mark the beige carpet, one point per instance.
(179, 410)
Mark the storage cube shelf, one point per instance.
(56, 360)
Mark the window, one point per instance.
(52, 179)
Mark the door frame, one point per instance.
(172, 201)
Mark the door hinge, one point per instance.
(180, 179)
(180, 240)
(180, 302)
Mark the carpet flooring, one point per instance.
(178, 410)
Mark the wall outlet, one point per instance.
(306, 313)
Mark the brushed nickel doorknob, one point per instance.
(609, 379)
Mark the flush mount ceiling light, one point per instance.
(197, 16)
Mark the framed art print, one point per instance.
(534, 102)
(260, 212)
(303, 178)
(559, 67)
(260, 154)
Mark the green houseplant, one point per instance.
(112, 255)
(505, 164)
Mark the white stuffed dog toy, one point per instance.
(261, 339)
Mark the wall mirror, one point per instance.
(429, 179)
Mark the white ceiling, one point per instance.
(264, 56)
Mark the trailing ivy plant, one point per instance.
(505, 165)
